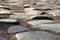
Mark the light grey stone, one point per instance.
(17, 28)
(8, 20)
(1, 6)
(5, 12)
(25, 15)
(52, 27)
(36, 22)
(36, 36)
(54, 12)
(44, 7)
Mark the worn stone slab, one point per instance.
(51, 27)
(40, 22)
(5, 12)
(36, 36)
(17, 28)
(8, 20)
(23, 16)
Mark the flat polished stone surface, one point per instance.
(17, 28)
(36, 36)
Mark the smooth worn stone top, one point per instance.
(55, 27)
(36, 36)
(35, 22)
(5, 12)
(34, 12)
(17, 28)
(28, 9)
(8, 20)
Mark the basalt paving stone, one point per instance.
(51, 27)
(36, 36)
(25, 15)
(9, 36)
(8, 20)
(17, 28)
(36, 22)
(5, 12)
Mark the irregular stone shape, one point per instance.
(40, 22)
(18, 28)
(8, 20)
(36, 36)
(52, 27)
(1, 38)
